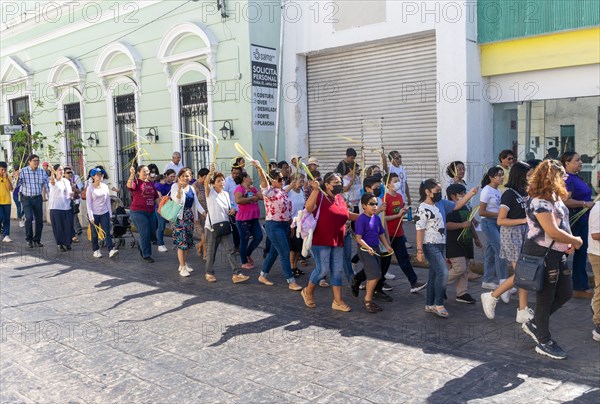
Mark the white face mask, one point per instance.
(397, 187)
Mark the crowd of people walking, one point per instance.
(350, 220)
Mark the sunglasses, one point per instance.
(68, 172)
(279, 179)
(372, 203)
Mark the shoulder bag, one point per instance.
(221, 228)
(530, 270)
(169, 209)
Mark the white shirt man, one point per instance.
(175, 163)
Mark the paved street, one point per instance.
(77, 329)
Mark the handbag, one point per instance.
(163, 201)
(530, 270)
(170, 210)
(220, 228)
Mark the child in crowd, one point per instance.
(459, 243)
(431, 240)
(395, 210)
(369, 232)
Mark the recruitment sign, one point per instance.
(264, 88)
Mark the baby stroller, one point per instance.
(121, 224)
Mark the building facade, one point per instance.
(140, 80)
(442, 81)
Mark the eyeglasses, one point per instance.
(372, 203)
(68, 172)
(36, 160)
(510, 158)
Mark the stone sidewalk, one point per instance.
(78, 329)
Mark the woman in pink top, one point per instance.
(278, 210)
(144, 197)
(247, 197)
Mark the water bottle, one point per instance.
(409, 214)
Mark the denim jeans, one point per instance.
(33, 207)
(160, 232)
(104, 222)
(245, 229)
(438, 273)
(580, 279)
(328, 261)
(494, 267)
(278, 233)
(146, 225)
(17, 199)
(348, 256)
(5, 219)
(398, 244)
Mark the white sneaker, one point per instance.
(188, 268)
(113, 252)
(22, 223)
(505, 297)
(7, 239)
(524, 315)
(488, 302)
(162, 248)
(489, 285)
(183, 271)
(390, 276)
(363, 286)
(97, 254)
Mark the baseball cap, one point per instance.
(97, 171)
(45, 164)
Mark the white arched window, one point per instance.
(16, 82)
(187, 42)
(119, 67)
(118, 59)
(188, 52)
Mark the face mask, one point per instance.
(377, 192)
(337, 189)
(397, 187)
(437, 197)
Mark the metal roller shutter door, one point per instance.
(367, 93)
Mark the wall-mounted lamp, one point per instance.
(93, 140)
(227, 129)
(152, 135)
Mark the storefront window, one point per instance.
(547, 128)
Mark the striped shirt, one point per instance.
(31, 181)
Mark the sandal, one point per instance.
(308, 301)
(372, 307)
(340, 306)
(440, 311)
(210, 278)
(297, 272)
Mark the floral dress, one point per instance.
(183, 229)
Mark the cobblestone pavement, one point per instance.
(78, 329)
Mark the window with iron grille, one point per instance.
(73, 140)
(193, 107)
(19, 115)
(126, 145)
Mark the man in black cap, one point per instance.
(346, 164)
